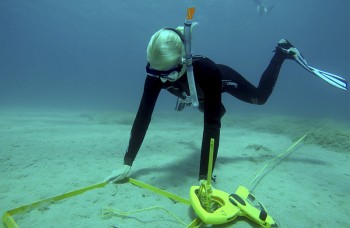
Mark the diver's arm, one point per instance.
(151, 91)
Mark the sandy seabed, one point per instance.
(47, 153)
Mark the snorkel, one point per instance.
(190, 77)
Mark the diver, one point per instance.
(261, 8)
(166, 68)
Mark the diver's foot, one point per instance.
(287, 49)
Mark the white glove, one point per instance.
(119, 175)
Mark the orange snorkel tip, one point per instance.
(190, 13)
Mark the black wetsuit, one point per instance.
(211, 80)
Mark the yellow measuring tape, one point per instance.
(258, 173)
(10, 222)
(159, 191)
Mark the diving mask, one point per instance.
(171, 75)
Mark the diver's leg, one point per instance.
(236, 85)
(269, 77)
(210, 133)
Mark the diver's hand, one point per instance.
(119, 175)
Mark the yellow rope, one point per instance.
(258, 173)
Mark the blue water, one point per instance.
(91, 54)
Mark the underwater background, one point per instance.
(92, 54)
(71, 78)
